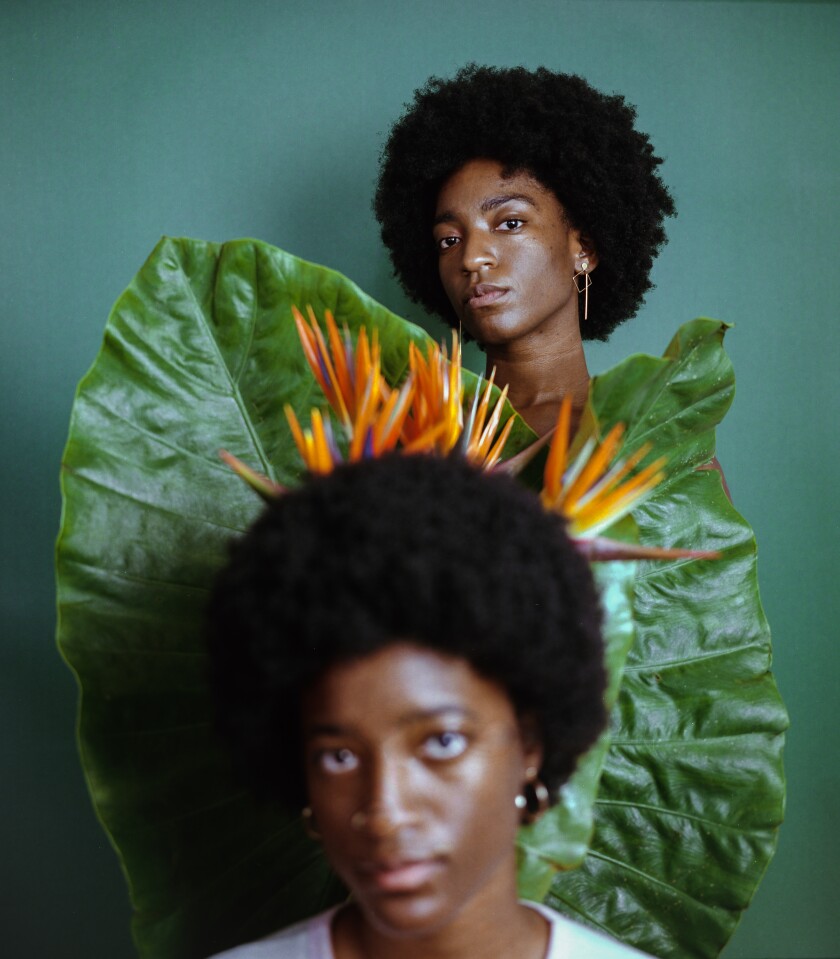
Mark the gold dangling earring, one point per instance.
(587, 282)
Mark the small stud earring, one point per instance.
(534, 799)
(309, 823)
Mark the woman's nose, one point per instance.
(390, 803)
(478, 252)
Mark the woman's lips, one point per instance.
(484, 294)
(401, 876)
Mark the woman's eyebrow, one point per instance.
(407, 719)
(488, 205)
(324, 729)
(421, 715)
(495, 201)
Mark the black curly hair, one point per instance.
(579, 143)
(416, 547)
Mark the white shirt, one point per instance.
(312, 939)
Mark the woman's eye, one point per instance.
(338, 760)
(445, 745)
(513, 223)
(447, 242)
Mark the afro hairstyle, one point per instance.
(574, 140)
(404, 547)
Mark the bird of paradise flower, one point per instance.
(596, 487)
(436, 420)
(425, 415)
(585, 480)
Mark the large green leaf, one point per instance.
(692, 792)
(200, 353)
(559, 840)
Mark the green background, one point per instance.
(124, 121)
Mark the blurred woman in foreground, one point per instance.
(409, 651)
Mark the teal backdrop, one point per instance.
(124, 121)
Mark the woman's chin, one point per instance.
(498, 328)
(492, 331)
(407, 916)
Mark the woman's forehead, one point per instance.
(485, 184)
(400, 684)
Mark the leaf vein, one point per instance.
(676, 814)
(155, 507)
(656, 665)
(267, 468)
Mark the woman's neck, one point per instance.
(539, 375)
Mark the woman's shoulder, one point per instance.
(309, 939)
(570, 938)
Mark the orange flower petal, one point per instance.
(558, 452)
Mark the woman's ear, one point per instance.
(532, 747)
(586, 256)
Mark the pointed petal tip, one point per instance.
(261, 484)
(520, 460)
(601, 549)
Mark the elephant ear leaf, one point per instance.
(200, 353)
(559, 840)
(692, 789)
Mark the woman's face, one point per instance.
(413, 762)
(506, 254)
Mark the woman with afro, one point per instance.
(368, 669)
(501, 192)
